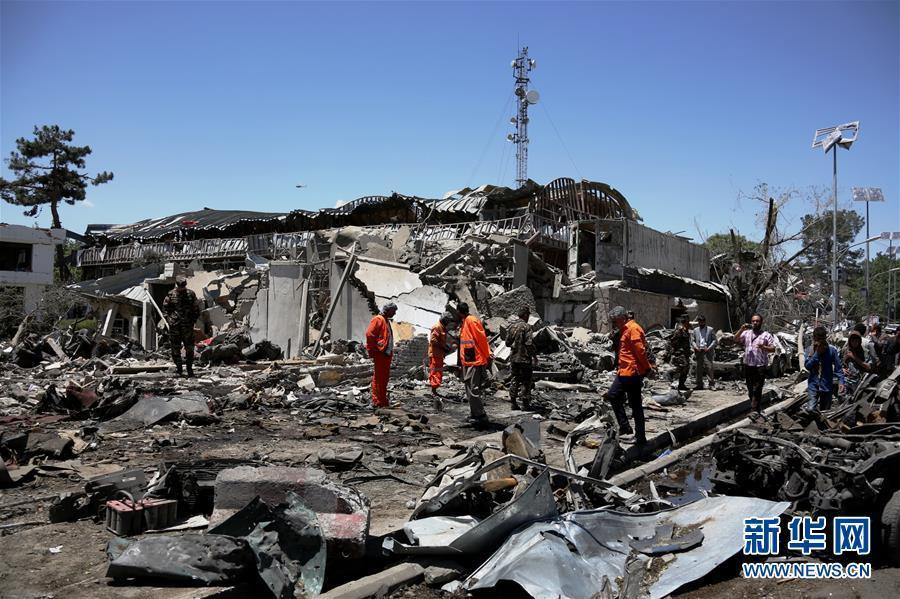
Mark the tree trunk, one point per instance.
(61, 265)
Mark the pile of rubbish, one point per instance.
(840, 461)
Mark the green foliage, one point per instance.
(70, 248)
(879, 265)
(817, 235)
(46, 171)
(89, 324)
(720, 243)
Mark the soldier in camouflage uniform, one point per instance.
(181, 310)
(680, 351)
(522, 360)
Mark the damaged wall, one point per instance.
(628, 243)
(276, 313)
(352, 311)
(654, 309)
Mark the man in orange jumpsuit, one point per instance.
(380, 345)
(474, 356)
(632, 365)
(438, 347)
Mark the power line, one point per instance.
(561, 141)
(490, 140)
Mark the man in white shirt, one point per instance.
(703, 342)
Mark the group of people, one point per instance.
(474, 356)
(868, 351)
(693, 344)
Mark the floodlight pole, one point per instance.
(834, 246)
(868, 309)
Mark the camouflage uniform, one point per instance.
(680, 354)
(182, 311)
(520, 341)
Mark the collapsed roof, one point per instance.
(563, 198)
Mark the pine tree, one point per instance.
(47, 172)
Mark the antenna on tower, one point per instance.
(521, 66)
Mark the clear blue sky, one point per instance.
(680, 106)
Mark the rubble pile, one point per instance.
(840, 461)
(271, 472)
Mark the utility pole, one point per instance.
(867, 194)
(828, 139)
(521, 66)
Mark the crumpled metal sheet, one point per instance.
(150, 410)
(579, 553)
(203, 558)
(438, 531)
(535, 503)
(287, 542)
(284, 546)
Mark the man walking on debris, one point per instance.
(474, 357)
(519, 338)
(703, 342)
(380, 345)
(823, 363)
(758, 344)
(438, 348)
(680, 351)
(632, 366)
(182, 311)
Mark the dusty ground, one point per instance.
(884, 583)
(275, 436)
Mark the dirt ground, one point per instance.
(38, 559)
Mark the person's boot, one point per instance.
(190, 369)
(178, 369)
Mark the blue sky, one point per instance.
(680, 106)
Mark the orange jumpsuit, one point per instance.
(473, 344)
(474, 355)
(380, 345)
(437, 350)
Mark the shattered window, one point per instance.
(15, 257)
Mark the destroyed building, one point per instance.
(26, 261)
(569, 249)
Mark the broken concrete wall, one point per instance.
(654, 309)
(631, 244)
(418, 305)
(508, 304)
(276, 314)
(352, 311)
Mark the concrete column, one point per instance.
(134, 332)
(108, 322)
(32, 297)
(520, 264)
(573, 250)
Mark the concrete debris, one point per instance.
(273, 445)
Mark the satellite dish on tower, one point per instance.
(532, 97)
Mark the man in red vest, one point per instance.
(380, 345)
(474, 356)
